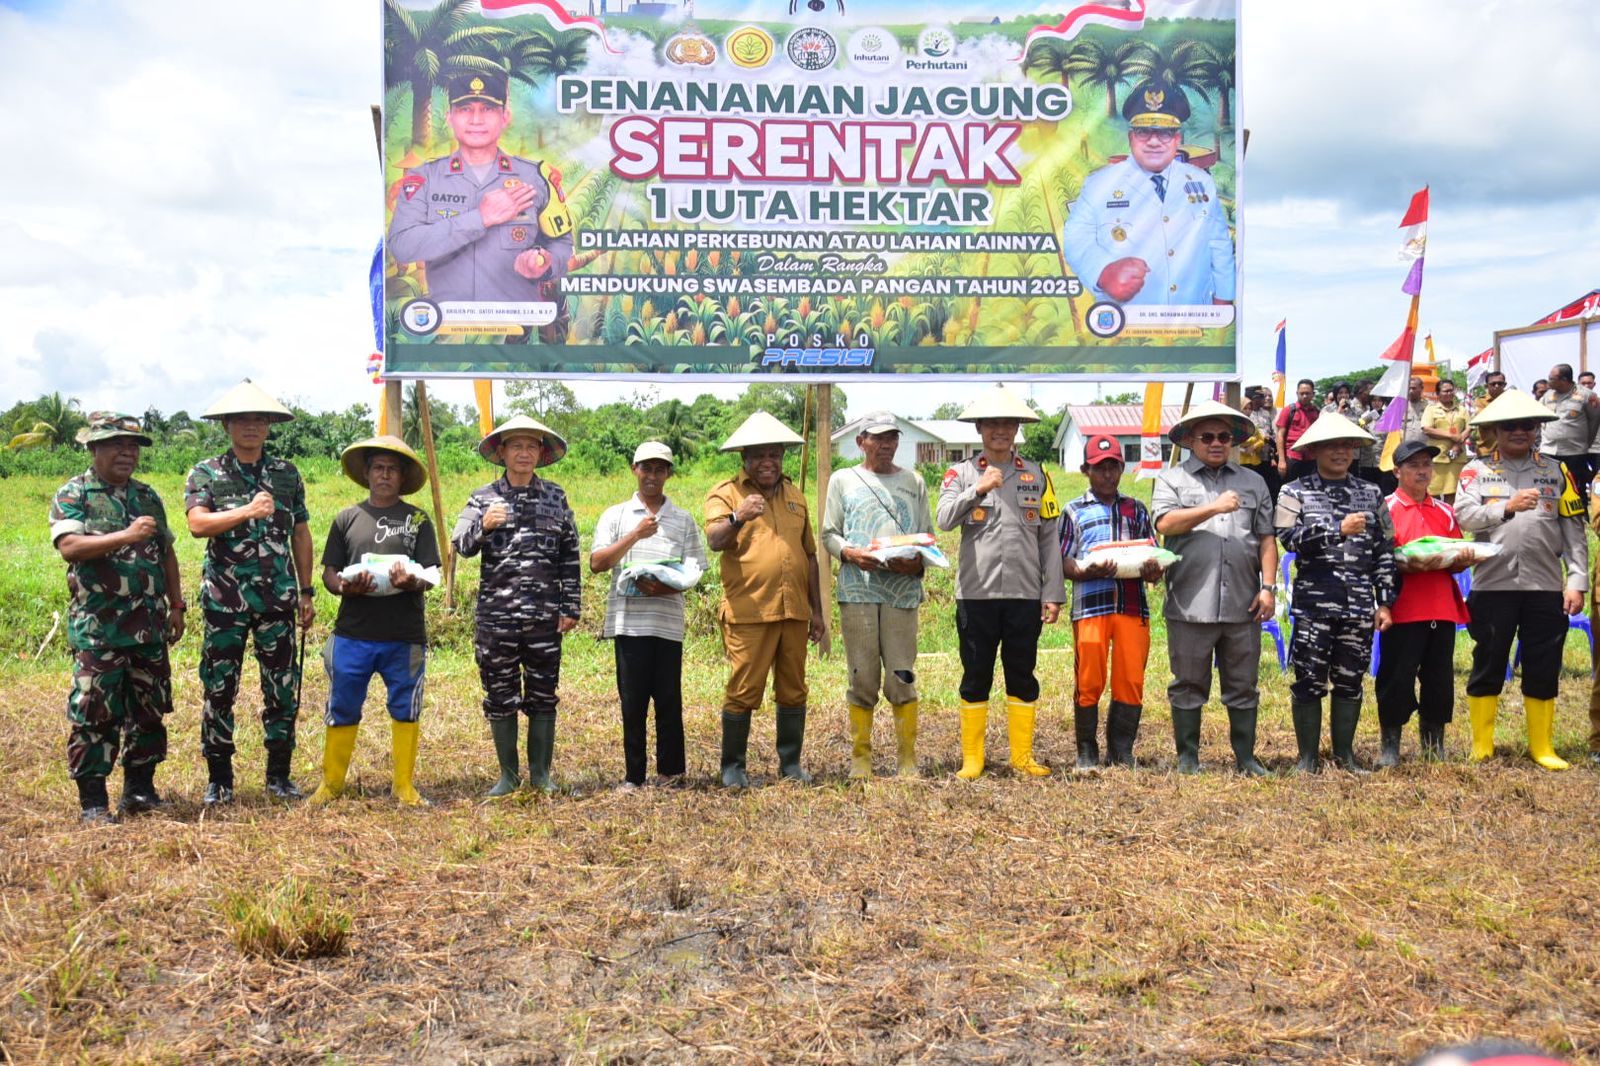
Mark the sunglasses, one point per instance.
(1518, 427)
(1214, 438)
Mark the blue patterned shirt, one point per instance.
(1085, 523)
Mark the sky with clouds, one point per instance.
(194, 198)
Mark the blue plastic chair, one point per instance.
(1464, 580)
(1574, 621)
(1274, 628)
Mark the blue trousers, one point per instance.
(351, 664)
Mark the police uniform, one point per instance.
(117, 627)
(1173, 220)
(1009, 565)
(437, 222)
(1518, 592)
(1577, 420)
(530, 581)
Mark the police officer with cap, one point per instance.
(1009, 581)
(1150, 229)
(489, 227)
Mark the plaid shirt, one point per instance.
(1086, 522)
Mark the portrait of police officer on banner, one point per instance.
(1150, 229)
(486, 226)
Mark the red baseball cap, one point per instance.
(1100, 448)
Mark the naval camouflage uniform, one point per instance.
(249, 587)
(116, 627)
(1339, 581)
(530, 582)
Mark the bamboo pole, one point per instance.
(824, 427)
(805, 437)
(446, 556)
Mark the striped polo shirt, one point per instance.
(677, 537)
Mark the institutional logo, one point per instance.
(872, 49)
(690, 50)
(936, 42)
(812, 49)
(420, 317)
(750, 47)
(1106, 319)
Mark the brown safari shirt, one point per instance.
(766, 571)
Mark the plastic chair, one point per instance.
(1464, 580)
(1274, 627)
(1574, 621)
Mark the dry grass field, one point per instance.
(1129, 917)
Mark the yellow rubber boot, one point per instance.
(1019, 719)
(404, 739)
(860, 743)
(338, 746)
(905, 738)
(1481, 710)
(974, 721)
(1541, 716)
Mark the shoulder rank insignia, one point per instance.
(455, 164)
(504, 163)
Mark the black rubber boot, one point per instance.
(504, 732)
(541, 746)
(1432, 740)
(735, 743)
(94, 808)
(1242, 737)
(791, 737)
(1389, 753)
(279, 786)
(139, 789)
(219, 783)
(1122, 729)
(1186, 733)
(1307, 733)
(1086, 727)
(1343, 714)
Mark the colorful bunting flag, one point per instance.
(1150, 434)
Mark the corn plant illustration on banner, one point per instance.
(642, 188)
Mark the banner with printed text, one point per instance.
(642, 188)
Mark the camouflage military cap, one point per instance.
(106, 425)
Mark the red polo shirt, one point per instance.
(1432, 596)
(1293, 421)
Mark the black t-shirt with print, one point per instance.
(398, 530)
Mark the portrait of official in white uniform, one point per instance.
(1150, 229)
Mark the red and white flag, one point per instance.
(1150, 434)
(1415, 225)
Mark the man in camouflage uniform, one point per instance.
(127, 606)
(251, 508)
(1342, 535)
(528, 595)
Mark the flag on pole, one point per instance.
(1150, 434)
(1416, 226)
(1280, 368)
(483, 390)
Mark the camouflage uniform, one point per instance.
(116, 627)
(530, 581)
(249, 586)
(1339, 581)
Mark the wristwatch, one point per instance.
(733, 520)
(307, 590)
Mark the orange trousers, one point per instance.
(1118, 641)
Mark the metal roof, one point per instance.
(1117, 419)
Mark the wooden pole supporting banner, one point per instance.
(390, 412)
(446, 556)
(824, 427)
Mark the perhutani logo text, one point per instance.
(936, 64)
(850, 357)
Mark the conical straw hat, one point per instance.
(354, 460)
(1514, 405)
(998, 402)
(1211, 411)
(1330, 426)
(248, 398)
(761, 428)
(554, 446)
